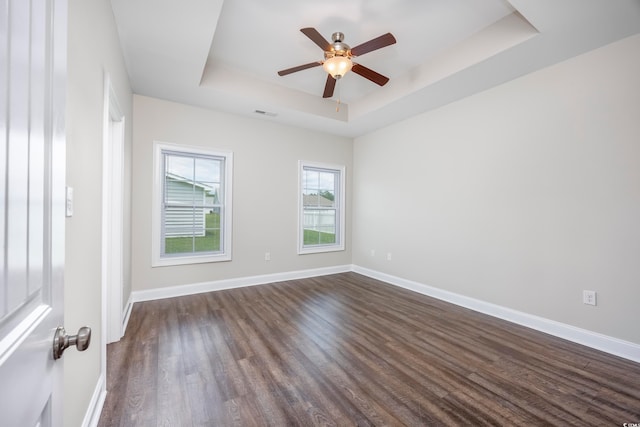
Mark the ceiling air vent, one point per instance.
(265, 113)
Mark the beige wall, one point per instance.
(92, 49)
(265, 173)
(522, 196)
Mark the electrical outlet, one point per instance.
(373, 252)
(589, 297)
(267, 256)
(388, 256)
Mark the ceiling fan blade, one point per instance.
(316, 37)
(368, 73)
(329, 87)
(373, 44)
(299, 68)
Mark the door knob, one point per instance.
(61, 340)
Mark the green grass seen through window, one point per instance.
(210, 242)
(312, 237)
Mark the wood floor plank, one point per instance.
(140, 401)
(349, 350)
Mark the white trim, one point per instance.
(341, 199)
(218, 285)
(187, 260)
(92, 416)
(116, 238)
(112, 213)
(126, 315)
(615, 346)
(157, 260)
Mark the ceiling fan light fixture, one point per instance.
(337, 66)
(337, 58)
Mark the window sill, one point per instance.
(191, 259)
(320, 249)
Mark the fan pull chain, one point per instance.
(338, 103)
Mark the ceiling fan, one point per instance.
(337, 58)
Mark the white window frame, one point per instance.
(340, 209)
(158, 260)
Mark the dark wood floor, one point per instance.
(348, 350)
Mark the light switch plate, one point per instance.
(69, 202)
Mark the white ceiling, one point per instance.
(225, 54)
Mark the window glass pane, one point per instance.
(319, 226)
(319, 204)
(326, 181)
(326, 199)
(208, 177)
(178, 192)
(310, 181)
(310, 200)
(212, 238)
(178, 188)
(192, 210)
(185, 238)
(213, 195)
(319, 188)
(207, 171)
(179, 166)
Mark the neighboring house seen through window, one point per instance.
(321, 223)
(192, 219)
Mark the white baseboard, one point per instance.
(218, 285)
(92, 416)
(615, 346)
(127, 314)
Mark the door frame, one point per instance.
(112, 276)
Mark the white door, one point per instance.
(32, 208)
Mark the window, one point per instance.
(321, 206)
(192, 205)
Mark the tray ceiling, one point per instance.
(225, 55)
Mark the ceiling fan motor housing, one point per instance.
(337, 48)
